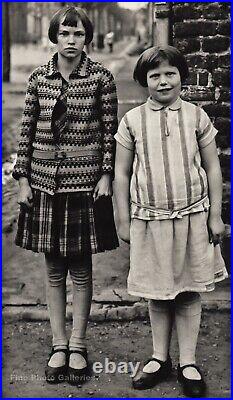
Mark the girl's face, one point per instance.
(164, 83)
(71, 40)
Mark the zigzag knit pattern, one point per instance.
(92, 124)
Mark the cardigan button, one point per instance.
(60, 155)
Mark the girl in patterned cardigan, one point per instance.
(168, 193)
(65, 168)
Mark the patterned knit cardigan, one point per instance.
(92, 123)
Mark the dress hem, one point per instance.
(208, 287)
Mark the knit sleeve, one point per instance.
(28, 127)
(108, 111)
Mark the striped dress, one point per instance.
(169, 200)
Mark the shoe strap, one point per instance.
(190, 365)
(155, 359)
(65, 351)
(82, 352)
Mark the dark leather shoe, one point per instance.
(145, 380)
(191, 387)
(57, 374)
(77, 376)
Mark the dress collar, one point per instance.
(81, 69)
(154, 105)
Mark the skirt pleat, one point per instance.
(67, 224)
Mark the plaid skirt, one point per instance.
(67, 224)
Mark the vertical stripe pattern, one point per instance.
(146, 156)
(167, 171)
(164, 138)
(184, 145)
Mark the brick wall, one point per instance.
(202, 32)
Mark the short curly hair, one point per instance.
(153, 57)
(70, 15)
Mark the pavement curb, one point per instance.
(100, 312)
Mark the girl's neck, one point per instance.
(163, 104)
(65, 65)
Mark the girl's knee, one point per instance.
(56, 270)
(81, 273)
(188, 304)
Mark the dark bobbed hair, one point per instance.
(153, 57)
(70, 15)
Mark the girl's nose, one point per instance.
(71, 39)
(163, 80)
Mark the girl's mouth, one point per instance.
(164, 90)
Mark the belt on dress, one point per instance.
(63, 154)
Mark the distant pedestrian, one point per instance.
(168, 189)
(109, 41)
(65, 168)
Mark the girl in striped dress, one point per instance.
(65, 166)
(168, 189)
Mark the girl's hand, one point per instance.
(216, 229)
(124, 231)
(103, 187)
(25, 197)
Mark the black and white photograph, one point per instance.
(116, 232)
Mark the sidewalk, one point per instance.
(27, 345)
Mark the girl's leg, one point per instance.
(188, 318)
(81, 275)
(56, 272)
(161, 318)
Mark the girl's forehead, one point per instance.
(163, 65)
(72, 28)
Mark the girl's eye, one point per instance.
(170, 73)
(63, 33)
(80, 34)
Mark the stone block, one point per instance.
(218, 61)
(218, 110)
(221, 77)
(225, 163)
(224, 94)
(186, 11)
(203, 78)
(197, 94)
(192, 79)
(126, 313)
(215, 11)
(222, 141)
(189, 45)
(226, 212)
(195, 29)
(224, 28)
(98, 315)
(197, 61)
(112, 314)
(215, 44)
(223, 125)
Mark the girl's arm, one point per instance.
(123, 171)
(108, 112)
(210, 162)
